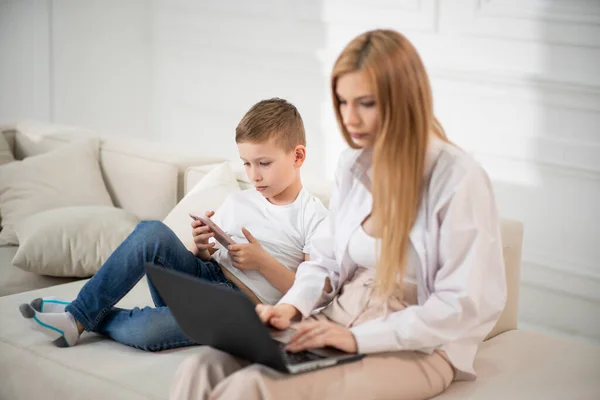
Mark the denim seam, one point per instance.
(163, 262)
(171, 345)
(217, 270)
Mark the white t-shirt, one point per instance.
(284, 232)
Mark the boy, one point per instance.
(271, 224)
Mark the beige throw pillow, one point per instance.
(67, 176)
(71, 241)
(207, 195)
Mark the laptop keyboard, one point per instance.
(299, 357)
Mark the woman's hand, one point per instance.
(279, 316)
(314, 334)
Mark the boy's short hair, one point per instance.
(272, 119)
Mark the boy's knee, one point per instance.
(152, 226)
(153, 232)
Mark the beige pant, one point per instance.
(212, 374)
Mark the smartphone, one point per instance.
(220, 234)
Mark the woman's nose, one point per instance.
(351, 117)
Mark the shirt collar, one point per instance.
(362, 168)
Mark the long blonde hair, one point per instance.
(405, 105)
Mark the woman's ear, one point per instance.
(299, 155)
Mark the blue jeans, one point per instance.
(150, 328)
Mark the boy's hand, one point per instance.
(201, 234)
(247, 256)
(279, 316)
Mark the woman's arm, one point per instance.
(316, 278)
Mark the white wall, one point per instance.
(77, 62)
(214, 59)
(516, 83)
(24, 60)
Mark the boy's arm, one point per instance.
(201, 255)
(279, 276)
(252, 256)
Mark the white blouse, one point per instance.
(461, 286)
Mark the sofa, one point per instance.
(130, 169)
(511, 363)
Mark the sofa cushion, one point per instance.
(67, 176)
(206, 195)
(71, 241)
(15, 280)
(317, 187)
(97, 368)
(6, 154)
(528, 365)
(515, 364)
(131, 168)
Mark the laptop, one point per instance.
(218, 316)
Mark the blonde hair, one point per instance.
(404, 100)
(272, 119)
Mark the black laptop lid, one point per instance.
(216, 316)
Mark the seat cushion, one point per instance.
(515, 364)
(528, 365)
(15, 280)
(97, 368)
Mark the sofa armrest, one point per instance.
(512, 243)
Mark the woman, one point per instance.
(409, 268)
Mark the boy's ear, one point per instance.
(299, 155)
